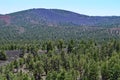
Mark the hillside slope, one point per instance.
(56, 17)
(42, 24)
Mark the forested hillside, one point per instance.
(54, 24)
(56, 17)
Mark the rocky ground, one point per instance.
(11, 55)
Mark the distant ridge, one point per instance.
(43, 16)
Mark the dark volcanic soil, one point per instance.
(11, 55)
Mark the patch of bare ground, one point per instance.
(11, 56)
(114, 31)
(6, 19)
(20, 30)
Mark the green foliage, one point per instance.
(39, 32)
(3, 55)
(84, 60)
(49, 46)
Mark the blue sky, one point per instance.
(88, 7)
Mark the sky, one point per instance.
(88, 7)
